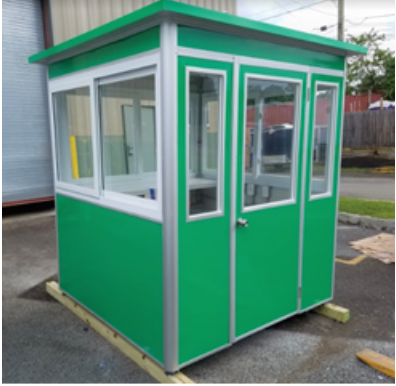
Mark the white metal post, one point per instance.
(168, 81)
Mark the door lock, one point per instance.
(242, 223)
(129, 150)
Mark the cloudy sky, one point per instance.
(310, 15)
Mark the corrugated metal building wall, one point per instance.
(73, 17)
(27, 169)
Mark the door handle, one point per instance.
(243, 223)
(129, 150)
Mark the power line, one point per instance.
(334, 3)
(317, 10)
(266, 10)
(349, 21)
(276, 1)
(294, 10)
(370, 17)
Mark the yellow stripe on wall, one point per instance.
(74, 159)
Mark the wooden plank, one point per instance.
(332, 311)
(378, 361)
(114, 338)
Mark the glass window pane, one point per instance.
(322, 136)
(73, 134)
(127, 116)
(204, 142)
(269, 141)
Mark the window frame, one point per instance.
(125, 198)
(221, 143)
(143, 208)
(329, 172)
(68, 186)
(296, 145)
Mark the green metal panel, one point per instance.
(227, 20)
(267, 251)
(203, 16)
(135, 44)
(111, 262)
(319, 218)
(203, 244)
(239, 45)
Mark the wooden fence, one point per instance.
(368, 129)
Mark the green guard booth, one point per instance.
(196, 164)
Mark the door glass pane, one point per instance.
(269, 141)
(73, 134)
(127, 117)
(204, 142)
(322, 137)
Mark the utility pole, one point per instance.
(341, 19)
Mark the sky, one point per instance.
(360, 15)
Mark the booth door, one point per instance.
(204, 159)
(268, 196)
(320, 206)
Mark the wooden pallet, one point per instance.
(115, 339)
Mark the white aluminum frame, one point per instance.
(169, 73)
(247, 60)
(303, 187)
(339, 176)
(221, 142)
(69, 186)
(121, 197)
(296, 137)
(329, 170)
(136, 66)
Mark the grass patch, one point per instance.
(377, 209)
(356, 170)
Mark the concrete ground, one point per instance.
(43, 342)
(368, 186)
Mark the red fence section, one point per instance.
(283, 113)
(355, 103)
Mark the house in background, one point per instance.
(29, 26)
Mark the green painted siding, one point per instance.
(132, 45)
(112, 263)
(320, 218)
(267, 251)
(203, 245)
(238, 45)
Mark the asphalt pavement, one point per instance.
(369, 187)
(43, 342)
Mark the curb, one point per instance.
(367, 222)
(27, 216)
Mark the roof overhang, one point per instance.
(198, 17)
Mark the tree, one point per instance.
(376, 71)
(389, 78)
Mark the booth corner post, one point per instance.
(168, 36)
